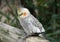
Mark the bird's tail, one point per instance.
(42, 35)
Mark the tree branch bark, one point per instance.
(10, 34)
(36, 39)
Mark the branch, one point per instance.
(12, 34)
(9, 33)
(36, 39)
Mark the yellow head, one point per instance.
(23, 12)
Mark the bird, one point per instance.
(29, 23)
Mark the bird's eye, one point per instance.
(20, 14)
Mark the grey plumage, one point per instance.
(29, 23)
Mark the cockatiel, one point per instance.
(29, 23)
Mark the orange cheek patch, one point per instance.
(24, 14)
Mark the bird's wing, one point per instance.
(36, 23)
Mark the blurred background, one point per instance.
(46, 11)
